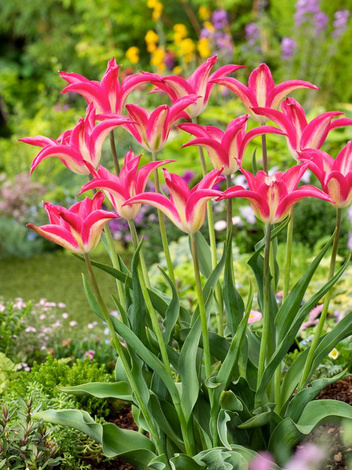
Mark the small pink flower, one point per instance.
(313, 317)
(90, 326)
(30, 329)
(254, 316)
(61, 305)
(73, 323)
(42, 316)
(90, 354)
(65, 315)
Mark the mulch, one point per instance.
(329, 436)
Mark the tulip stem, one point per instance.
(264, 153)
(135, 242)
(212, 239)
(319, 329)
(288, 260)
(114, 153)
(205, 334)
(120, 351)
(266, 306)
(162, 227)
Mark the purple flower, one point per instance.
(188, 176)
(90, 354)
(219, 19)
(340, 23)
(288, 46)
(321, 20)
(252, 33)
(305, 8)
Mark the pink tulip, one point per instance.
(199, 83)
(186, 208)
(335, 175)
(261, 90)
(77, 229)
(108, 95)
(77, 146)
(272, 197)
(152, 132)
(129, 183)
(226, 149)
(300, 134)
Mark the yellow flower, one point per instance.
(158, 9)
(187, 48)
(180, 32)
(204, 13)
(177, 70)
(152, 3)
(209, 26)
(132, 55)
(334, 354)
(158, 58)
(151, 37)
(204, 47)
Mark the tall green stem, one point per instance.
(287, 272)
(320, 326)
(135, 242)
(212, 239)
(264, 153)
(114, 153)
(205, 334)
(162, 227)
(120, 351)
(266, 306)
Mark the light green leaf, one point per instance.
(93, 303)
(173, 310)
(118, 390)
(204, 254)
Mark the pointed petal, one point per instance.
(144, 173)
(73, 77)
(343, 161)
(202, 131)
(319, 162)
(295, 196)
(196, 207)
(58, 235)
(110, 85)
(157, 128)
(179, 191)
(342, 122)
(283, 89)
(180, 105)
(210, 179)
(70, 157)
(241, 91)
(250, 135)
(92, 93)
(261, 83)
(217, 154)
(133, 81)
(178, 85)
(93, 226)
(293, 175)
(317, 130)
(296, 115)
(282, 121)
(38, 141)
(259, 205)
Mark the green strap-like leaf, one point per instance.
(93, 303)
(173, 310)
(204, 254)
(118, 390)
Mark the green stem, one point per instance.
(135, 242)
(120, 351)
(114, 153)
(229, 206)
(212, 239)
(287, 272)
(320, 326)
(205, 334)
(188, 440)
(162, 227)
(264, 153)
(266, 306)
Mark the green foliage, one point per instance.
(7, 372)
(12, 317)
(54, 373)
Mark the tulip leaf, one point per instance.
(274, 233)
(286, 342)
(173, 310)
(233, 301)
(187, 368)
(182, 461)
(137, 312)
(93, 303)
(302, 398)
(254, 162)
(118, 390)
(204, 254)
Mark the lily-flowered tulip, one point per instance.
(300, 134)
(272, 197)
(199, 83)
(108, 95)
(186, 208)
(261, 90)
(152, 131)
(226, 149)
(77, 229)
(335, 175)
(129, 183)
(77, 146)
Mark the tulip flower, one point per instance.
(335, 175)
(226, 149)
(272, 197)
(77, 229)
(261, 90)
(129, 183)
(77, 146)
(108, 95)
(199, 83)
(300, 134)
(186, 208)
(151, 132)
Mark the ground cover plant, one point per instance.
(206, 383)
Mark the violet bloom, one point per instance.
(321, 21)
(288, 47)
(305, 8)
(219, 19)
(252, 33)
(340, 23)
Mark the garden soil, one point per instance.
(329, 436)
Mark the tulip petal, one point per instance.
(250, 135)
(280, 91)
(296, 115)
(93, 226)
(317, 130)
(100, 133)
(241, 91)
(261, 83)
(69, 156)
(217, 154)
(259, 205)
(282, 121)
(157, 129)
(341, 122)
(295, 196)
(343, 161)
(58, 235)
(73, 77)
(38, 141)
(92, 94)
(319, 162)
(196, 206)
